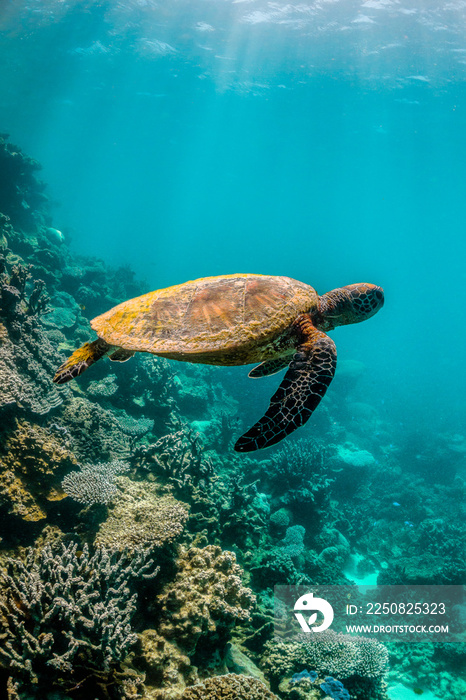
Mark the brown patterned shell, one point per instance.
(212, 316)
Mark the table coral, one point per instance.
(140, 516)
(229, 687)
(94, 483)
(362, 660)
(205, 600)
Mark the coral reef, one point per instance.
(32, 457)
(94, 483)
(229, 687)
(361, 662)
(82, 418)
(140, 516)
(27, 357)
(167, 670)
(66, 614)
(177, 459)
(204, 600)
(367, 498)
(21, 194)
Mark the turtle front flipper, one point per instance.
(80, 360)
(121, 355)
(305, 383)
(265, 369)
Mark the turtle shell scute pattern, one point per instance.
(209, 315)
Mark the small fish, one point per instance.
(395, 503)
(418, 691)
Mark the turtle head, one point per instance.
(350, 304)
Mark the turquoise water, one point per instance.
(278, 144)
(322, 141)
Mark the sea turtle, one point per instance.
(237, 320)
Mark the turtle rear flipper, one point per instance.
(305, 383)
(80, 360)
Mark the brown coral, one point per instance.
(205, 600)
(140, 516)
(168, 671)
(34, 459)
(229, 687)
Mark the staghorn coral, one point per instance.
(140, 516)
(94, 483)
(178, 459)
(205, 600)
(31, 458)
(65, 616)
(229, 687)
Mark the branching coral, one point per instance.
(27, 359)
(296, 462)
(298, 474)
(65, 615)
(21, 194)
(177, 458)
(225, 508)
(83, 418)
(329, 653)
(94, 483)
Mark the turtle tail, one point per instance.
(80, 360)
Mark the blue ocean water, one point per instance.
(324, 141)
